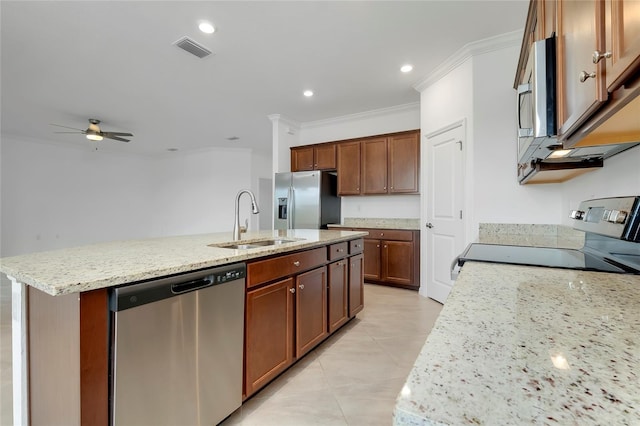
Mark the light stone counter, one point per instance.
(532, 235)
(529, 345)
(103, 265)
(384, 223)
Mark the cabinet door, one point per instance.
(337, 287)
(404, 160)
(580, 33)
(356, 284)
(397, 262)
(311, 309)
(325, 157)
(622, 23)
(268, 333)
(374, 166)
(348, 155)
(302, 159)
(371, 259)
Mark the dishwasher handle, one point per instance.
(191, 285)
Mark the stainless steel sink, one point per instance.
(253, 244)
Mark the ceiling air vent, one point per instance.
(192, 47)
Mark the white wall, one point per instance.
(620, 176)
(497, 196)
(386, 120)
(56, 196)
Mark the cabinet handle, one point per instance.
(296, 263)
(597, 56)
(377, 245)
(340, 250)
(384, 187)
(356, 245)
(584, 76)
(382, 234)
(385, 246)
(301, 286)
(292, 290)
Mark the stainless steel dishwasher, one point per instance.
(176, 350)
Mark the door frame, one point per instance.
(425, 195)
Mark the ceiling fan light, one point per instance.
(94, 137)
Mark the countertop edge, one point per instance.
(124, 278)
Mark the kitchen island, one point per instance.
(60, 312)
(524, 345)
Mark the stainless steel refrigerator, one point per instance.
(306, 200)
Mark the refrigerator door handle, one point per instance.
(292, 203)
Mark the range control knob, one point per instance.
(617, 216)
(577, 214)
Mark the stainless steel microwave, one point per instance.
(537, 103)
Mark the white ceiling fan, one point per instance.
(94, 133)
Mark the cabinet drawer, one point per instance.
(337, 251)
(356, 246)
(263, 271)
(389, 234)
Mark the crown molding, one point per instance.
(279, 118)
(469, 50)
(414, 106)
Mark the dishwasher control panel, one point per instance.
(144, 292)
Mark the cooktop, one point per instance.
(542, 256)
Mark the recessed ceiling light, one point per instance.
(233, 138)
(172, 149)
(206, 28)
(308, 93)
(406, 68)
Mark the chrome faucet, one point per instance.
(237, 229)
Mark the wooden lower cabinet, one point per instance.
(311, 309)
(338, 286)
(397, 262)
(356, 284)
(294, 302)
(269, 327)
(392, 257)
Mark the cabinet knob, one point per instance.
(597, 56)
(292, 290)
(384, 187)
(584, 76)
(301, 286)
(296, 263)
(377, 245)
(385, 246)
(382, 234)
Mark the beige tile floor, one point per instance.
(352, 378)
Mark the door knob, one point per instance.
(429, 225)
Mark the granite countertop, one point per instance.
(524, 345)
(103, 265)
(378, 223)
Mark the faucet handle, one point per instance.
(244, 228)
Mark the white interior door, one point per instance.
(444, 203)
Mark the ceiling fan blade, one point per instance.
(116, 134)
(115, 138)
(66, 127)
(75, 133)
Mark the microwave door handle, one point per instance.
(523, 89)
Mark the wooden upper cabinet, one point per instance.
(374, 166)
(302, 158)
(313, 157)
(348, 156)
(581, 84)
(325, 157)
(622, 41)
(404, 163)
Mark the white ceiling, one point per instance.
(66, 62)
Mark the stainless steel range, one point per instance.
(612, 241)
